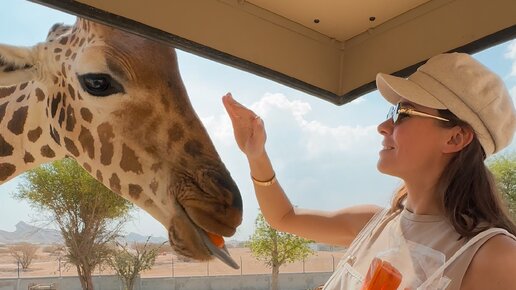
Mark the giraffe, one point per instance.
(115, 102)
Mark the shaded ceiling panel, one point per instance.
(331, 49)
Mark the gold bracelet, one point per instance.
(266, 182)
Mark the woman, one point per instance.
(447, 227)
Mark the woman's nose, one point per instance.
(385, 128)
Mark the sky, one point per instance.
(324, 155)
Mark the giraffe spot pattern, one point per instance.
(57, 50)
(6, 170)
(40, 94)
(130, 161)
(20, 99)
(46, 151)
(55, 135)
(64, 40)
(23, 86)
(148, 203)
(6, 149)
(193, 148)
(99, 176)
(114, 183)
(156, 166)
(55, 101)
(5, 92)
(70, 146)
(105, 133)
(135, 190)
(71, 91)
(70, 120)
(86, 166)
(17, 122)
(2, 111)
(175, 134)
(154, 186)
(34, 134)
(86, 140)
(61, 117)
(86, 115)
(28, 158)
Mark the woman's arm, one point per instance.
(337, 228)
(493, 266)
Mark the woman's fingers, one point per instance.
(235, 109)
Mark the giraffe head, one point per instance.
(116, 103)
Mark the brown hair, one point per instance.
(468, 192)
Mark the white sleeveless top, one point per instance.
(425, 249)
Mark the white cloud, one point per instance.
(511, 54)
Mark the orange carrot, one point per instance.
(382, 276)
(216, 239)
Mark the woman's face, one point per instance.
(413, 144)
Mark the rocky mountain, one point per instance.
(36, 235)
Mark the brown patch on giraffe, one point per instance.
(64, 40)
(17, 122)
(55, 135)
(154, 186)
(74, 55)
(68, 52)
(70, 118)
(156, 166)
(148, 203)
(81, 43)
(34, 134)
(165, 102)
(71, 91)
(86, 115)
(5, 92)
(57, 50)
(40, 94)
(105, 132)
(6, 170)
(70, 146)
(87, 142)
(193, 148)
(86, 166)
(55, 102)
(61, 117)
(28, 158)
(23, 86)
(6, 149)
(58, 57)
(114, 183)
(20, 99)
(130, 161)
(2, 110)
(63, 70)
(175, 134)
(135, 190)
(99, 176)
(46, 151)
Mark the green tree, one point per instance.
(504, 170)
(276, 248)
(88, 214)
(129, 262)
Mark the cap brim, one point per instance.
(394, 88)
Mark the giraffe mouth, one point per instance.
(220, 252)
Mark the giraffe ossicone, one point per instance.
(115, 102)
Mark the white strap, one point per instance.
(471, 242)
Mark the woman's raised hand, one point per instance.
(247, 127)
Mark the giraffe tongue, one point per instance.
(219, 249)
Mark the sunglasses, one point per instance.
(398, 112)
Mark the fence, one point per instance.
(168, 265)
(287, 281)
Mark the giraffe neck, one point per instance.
(25, 137)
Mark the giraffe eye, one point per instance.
(100, 85)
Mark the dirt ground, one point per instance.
(169, 265)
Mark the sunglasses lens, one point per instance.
(393, 113)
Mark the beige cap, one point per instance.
(459, 83)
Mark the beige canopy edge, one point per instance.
(282, 50)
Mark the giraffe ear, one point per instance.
(17, 65)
